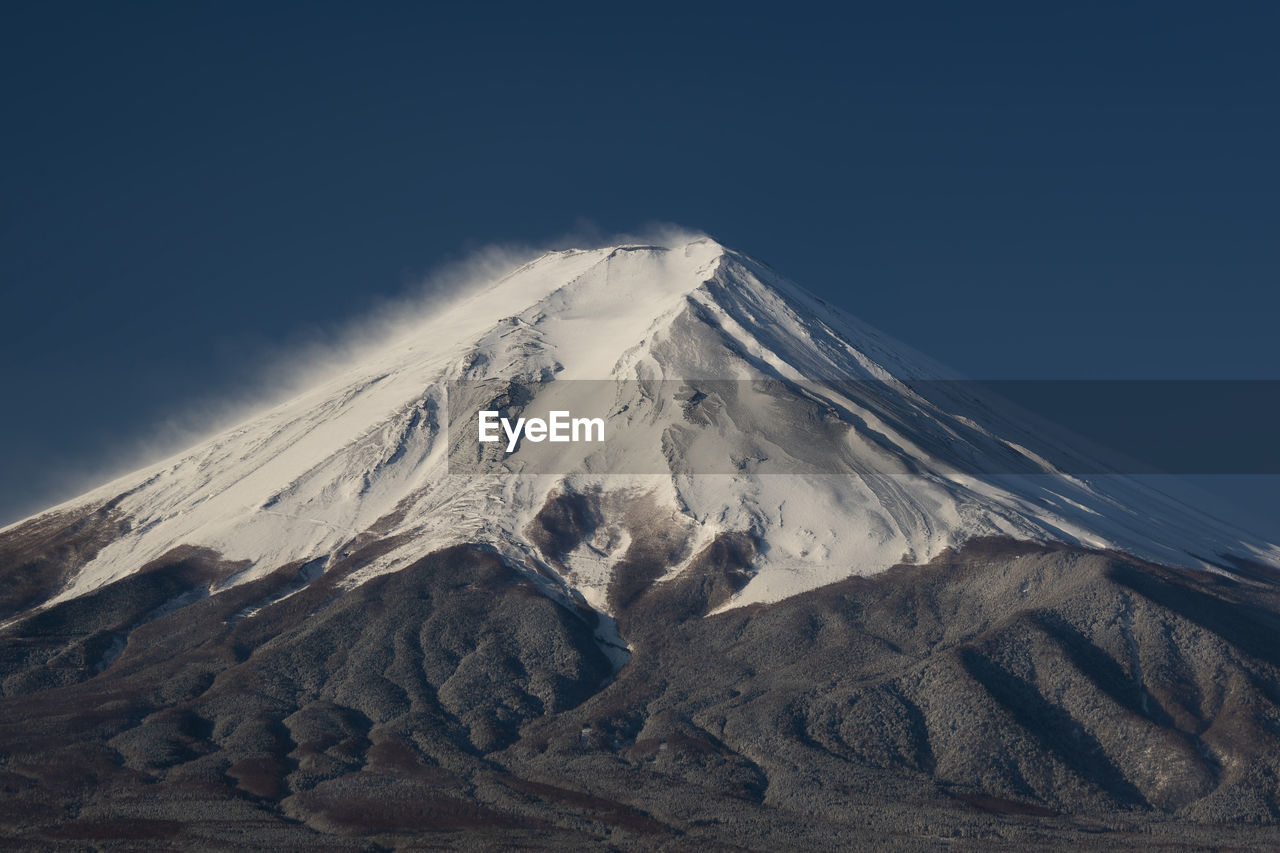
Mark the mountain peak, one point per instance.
(698, 361)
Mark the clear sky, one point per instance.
(1021, 190)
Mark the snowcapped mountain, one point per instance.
(738, 404)
(803, 587)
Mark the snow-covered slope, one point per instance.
(739, 404)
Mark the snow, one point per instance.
(880, 479)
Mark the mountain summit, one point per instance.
(700, 361)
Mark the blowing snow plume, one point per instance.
(184, 417)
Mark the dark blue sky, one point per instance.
(1073, 190)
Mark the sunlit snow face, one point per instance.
(729, 403)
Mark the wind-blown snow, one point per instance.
(367, 451)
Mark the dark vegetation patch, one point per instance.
(40, 555)
(1006, 693)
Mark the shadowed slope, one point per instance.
(1005, 691)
